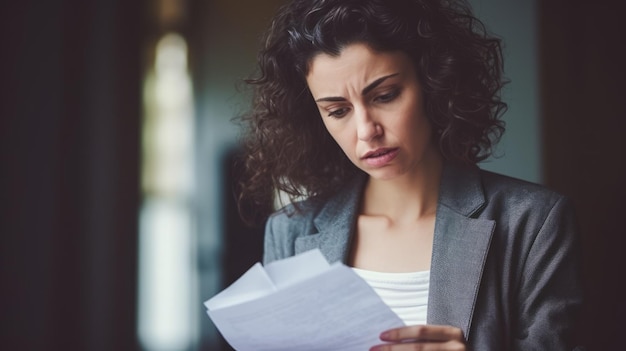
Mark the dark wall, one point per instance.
(584, 114)
(69, 138)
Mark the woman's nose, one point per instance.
(367, 128)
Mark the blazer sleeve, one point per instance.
(270, 251)
(279, 238)
(550, 289)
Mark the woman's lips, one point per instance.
(380, 157)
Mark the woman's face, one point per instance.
(372, 105)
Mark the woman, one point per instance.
(374, 114)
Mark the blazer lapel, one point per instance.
(460, 248)
(335, 224)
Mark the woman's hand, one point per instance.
(422, 337)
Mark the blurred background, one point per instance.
(116, 213)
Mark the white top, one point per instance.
(405, 293)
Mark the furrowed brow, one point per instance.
(364, 92)
(331, 99)
(376, 83)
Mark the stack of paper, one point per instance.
(301, 303)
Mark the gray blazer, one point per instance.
(505, 264)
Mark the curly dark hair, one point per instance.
(287, 147)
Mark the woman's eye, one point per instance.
(338, 113)
(390, 96)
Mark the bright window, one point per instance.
(167, 260)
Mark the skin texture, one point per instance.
(371, 103)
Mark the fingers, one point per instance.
(423, 338)
(446, 346)
(423, 333)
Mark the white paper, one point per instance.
(315, 306)
(297, 268)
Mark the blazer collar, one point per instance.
(461, 189)
(460, 245)
(335, 223)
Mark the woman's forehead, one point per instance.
(356, 64)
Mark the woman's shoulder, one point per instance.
(297, 212)
(520, 196)
(283, 228)
(307, 210)
(471, 190)
(496, 184)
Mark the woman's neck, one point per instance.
(409, 197)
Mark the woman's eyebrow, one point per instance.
(376, 83)
(364, 92)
